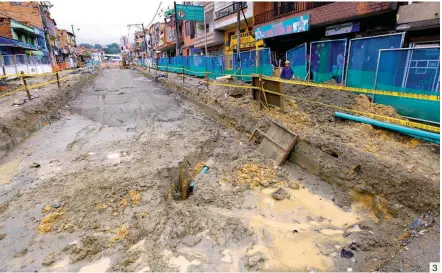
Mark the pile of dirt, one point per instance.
(363, 103)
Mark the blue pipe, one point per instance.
(424, 135)
(192, 183)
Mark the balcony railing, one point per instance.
(287, 9)
(229, 9)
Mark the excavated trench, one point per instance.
(126, 205)
(340, 164)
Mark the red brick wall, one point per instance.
(342, 11)
(5, 28)
(331, 13)
(62, 38)
(26, 12)
(261, 7)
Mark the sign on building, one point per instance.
(246, 41)
(289, 26)
(189, 13)
(342, 28)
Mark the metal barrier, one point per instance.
(363, 57)
(298, 61)
(410, 70)
(327, 60)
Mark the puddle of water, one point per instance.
(308, 204)
(100, 266)
(318, 222)
(9, 170)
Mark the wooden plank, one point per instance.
(272, 99)
(277, 143)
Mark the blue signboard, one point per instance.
(289, 26)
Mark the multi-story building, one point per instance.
(285, 25)
(167, 38)
(23, 31)
(225, 20)
(421, 21)
(66, 43)
(49, 27)
(123, 42)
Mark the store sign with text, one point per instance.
(342, 28)
(246, 41)
(289, 26)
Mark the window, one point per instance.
(15, 3)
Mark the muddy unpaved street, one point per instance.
(94, 191)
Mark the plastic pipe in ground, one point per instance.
(432, 137)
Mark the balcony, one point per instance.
(229, 9)
(287, 9)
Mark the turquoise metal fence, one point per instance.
(327, 60)
(298, 61)
(363, 58)
(410, 70)
(248, 63)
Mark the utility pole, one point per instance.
(145, 40)
(144, 34)
(176, 31)
(238, 30)
(205, 33)
(73, 33)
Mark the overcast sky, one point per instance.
(104, 22)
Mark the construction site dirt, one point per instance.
(95, 188)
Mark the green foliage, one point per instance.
(86, 45)
(97, 46)
(112, 49)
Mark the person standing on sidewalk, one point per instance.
(286, 72)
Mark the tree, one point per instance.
(112, 49)
(86, 45)
(97, 46)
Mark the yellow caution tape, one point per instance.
(33, 86)
(360, 90)
(7, 76)
(373, 116)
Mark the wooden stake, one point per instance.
(207, 80)
(26, 84)
(58, 79)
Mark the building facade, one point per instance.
(66, 44)
(285, 25)
(23, 30)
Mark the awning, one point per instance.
(6, 42)
(16, 43)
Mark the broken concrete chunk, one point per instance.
(294, 185)
(191, 240)
(20, 253)
(264, 184)
(256, 260)
(280, 194)
(50, 259)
